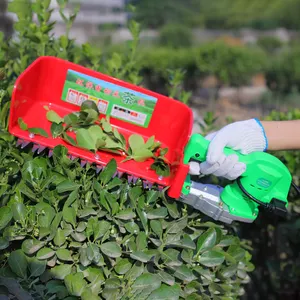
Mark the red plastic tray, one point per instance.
(42, 83)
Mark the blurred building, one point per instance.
(93, 15)
(91, 18)
(6, 22)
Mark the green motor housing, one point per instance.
(266, 181)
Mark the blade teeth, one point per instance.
(99, 168)
(120, 174)
(160, 188)
(150, 184)
(24, 144)
(130, 178)
(116, 173)
(35, 148)
(145, 184)
(41, 149)
(83, 163)
(135, 179)
(19, 142)
(50, 153)
(72, 157)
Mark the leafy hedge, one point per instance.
(274, 241)
(283, 72)
(68, 232)
(230, 64)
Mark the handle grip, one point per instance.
(197, 148)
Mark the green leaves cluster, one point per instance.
(84, 234)
(95, 134)
(68, 232)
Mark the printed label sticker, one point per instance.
(111, 99)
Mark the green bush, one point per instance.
(233, 65)
(67, 232)
(175, 36)
(269, 43)
(283, 72)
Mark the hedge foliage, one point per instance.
(68, 232)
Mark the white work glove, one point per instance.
(244, 136)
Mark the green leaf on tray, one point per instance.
(53, 117)
(39, 131)
(22, 124)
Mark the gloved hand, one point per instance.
(244, 136)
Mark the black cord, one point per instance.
(296, 188)
(268, 206)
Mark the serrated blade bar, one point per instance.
(24, 144)
(135, 179)
(41, 149)
(130, 178)
(147, 184)
(19, 142)
(120, 174)
(35, 148)
(50, 153)
(160, 188)
(99, 168)
(83, 163)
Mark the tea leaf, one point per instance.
(31, 246)
(150, 142)
(89, 295)
(66, 186)
(89, 104)
(37, 267)
(126, 214)
(85, 140)
(158, 213)
(156, 227)
(53, 117)
(75, 284)
(123, 266)
(108, 172)
(211, 258)
(22, 124)
(111, 249)
(69, 139)
(166, 278)
(71, 119)
(5, 216)
(141, 155)
(140, 256)
(166, 292)
(56, 129)
(184, 273)
(206, 240)
(69, 215)
(64, 254)
(4, 243)
(39, 131)
(45, 253)
(136, 142)
(93, 253)
(18, 263)
(61, 271)
(59, 238)
(145, 281)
